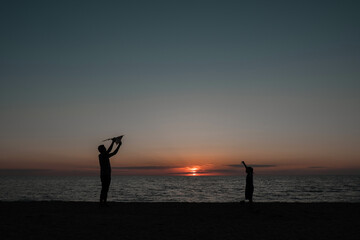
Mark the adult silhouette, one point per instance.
(105, 169)
(249, 189)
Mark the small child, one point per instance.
(249, 189)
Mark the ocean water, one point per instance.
(182, 189)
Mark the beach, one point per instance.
(85, 220)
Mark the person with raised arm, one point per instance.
(105, 168)
(249, 189)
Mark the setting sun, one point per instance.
(193, 171)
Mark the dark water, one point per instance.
(182, 189)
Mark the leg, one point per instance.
(105, 189)
(105, 182)
(102, 193)
(251, 195)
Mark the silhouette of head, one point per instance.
(249, 170)
(101, 148)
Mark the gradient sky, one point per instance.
(194, 86)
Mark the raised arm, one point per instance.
(111, 146)
(116, 150)
(244, 164)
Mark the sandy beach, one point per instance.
(80, 220)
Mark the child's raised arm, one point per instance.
(111, 145)
(244, 164)
(116, 150)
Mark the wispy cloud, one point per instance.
(226, 171)
(317, 167)
(190, 173)
(212, 172)
(144, 168)
(253, 165)
(23, 171)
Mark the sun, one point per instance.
(193, 171)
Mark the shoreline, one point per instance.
(174, 220)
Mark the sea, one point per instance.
(181, 188)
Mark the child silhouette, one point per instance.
(249, 189)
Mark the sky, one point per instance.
(195, 86)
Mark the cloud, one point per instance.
(144, 168)
(317, 167)
(253, 165)
(190, 173)
(212, 172)
(16, 172)
(181, 172)
(226, 171)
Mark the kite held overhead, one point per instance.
(116, 139)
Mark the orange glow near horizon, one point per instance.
(193, 171)
(186, 166)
